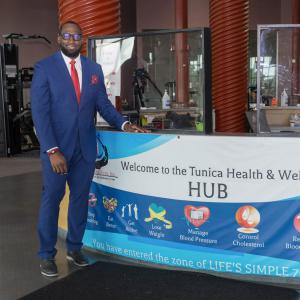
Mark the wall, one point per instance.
(155, 14)
(30, 17)
(198, 12)
(128, 16)
(158, 14)
(286, 11)
(40, 17)
(264, 12)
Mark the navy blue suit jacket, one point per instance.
(58, 119)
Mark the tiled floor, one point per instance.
(19, 203)
(20, 189)
(18, 165)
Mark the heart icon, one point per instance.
(196, 215)
(110, 204)
(157, 209)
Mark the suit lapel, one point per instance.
(85, 78)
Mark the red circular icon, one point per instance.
(297, 222)
(247, 216)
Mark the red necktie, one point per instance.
(75, 79)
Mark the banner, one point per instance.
(214, 203)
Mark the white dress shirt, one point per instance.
(77, 66)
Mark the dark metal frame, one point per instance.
(3, 116)
(259, 127)
(207, 105)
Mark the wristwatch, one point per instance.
(53, 151)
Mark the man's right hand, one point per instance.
(58, 163)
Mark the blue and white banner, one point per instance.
(224, 204)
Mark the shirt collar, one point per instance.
(68, 59)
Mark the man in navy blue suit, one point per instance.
(67, 90)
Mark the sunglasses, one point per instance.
(67, 36)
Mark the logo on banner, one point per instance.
(158, 213)
(248, 217)
(196, 215)
(297, 222)
(92, 200)
(110, 204)
(102, 154)
(130, 216)
(130, 210)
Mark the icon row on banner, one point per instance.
(246, 216)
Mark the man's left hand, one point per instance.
(134, 128)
